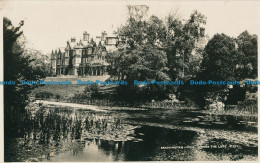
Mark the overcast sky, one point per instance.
(50, 24)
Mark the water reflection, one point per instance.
(198, 119)
(66, 134)
(57, 130)
(149, 149)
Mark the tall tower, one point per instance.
(103, 36)
(85, 36)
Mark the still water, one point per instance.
(69, 134)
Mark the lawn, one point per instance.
(67, 91)
(74, 79)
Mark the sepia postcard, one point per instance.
(105, 81)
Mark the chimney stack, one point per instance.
(73, 39)
(85, 36)
(103, 36)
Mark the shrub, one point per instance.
(44, 95)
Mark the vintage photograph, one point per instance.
(102, 81)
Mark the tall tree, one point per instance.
(219, 58)
(247, 61)
(181, 43)
(218, 64)
(17, 67)
(141, 58)
(155, 49)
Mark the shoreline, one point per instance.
(120, 108)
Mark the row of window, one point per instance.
(78, 60)
(66, 55)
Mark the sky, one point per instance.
(50, 24)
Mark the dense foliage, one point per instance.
(151, 48)
(247, 52)
(155, 49)
(219, 58)
(225, 59)
(19, 64)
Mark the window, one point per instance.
(89, 50)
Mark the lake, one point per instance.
(72, 134)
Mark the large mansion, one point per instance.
(83, 57)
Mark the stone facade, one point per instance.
(85, 57)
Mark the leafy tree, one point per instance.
(218, 64)
(219, 59)
(158, 50)
(226, 59)
(247, 61)
(180, 44)
(39, 62)
(141, 58)
(17, 67)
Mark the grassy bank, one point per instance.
(66, 93)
